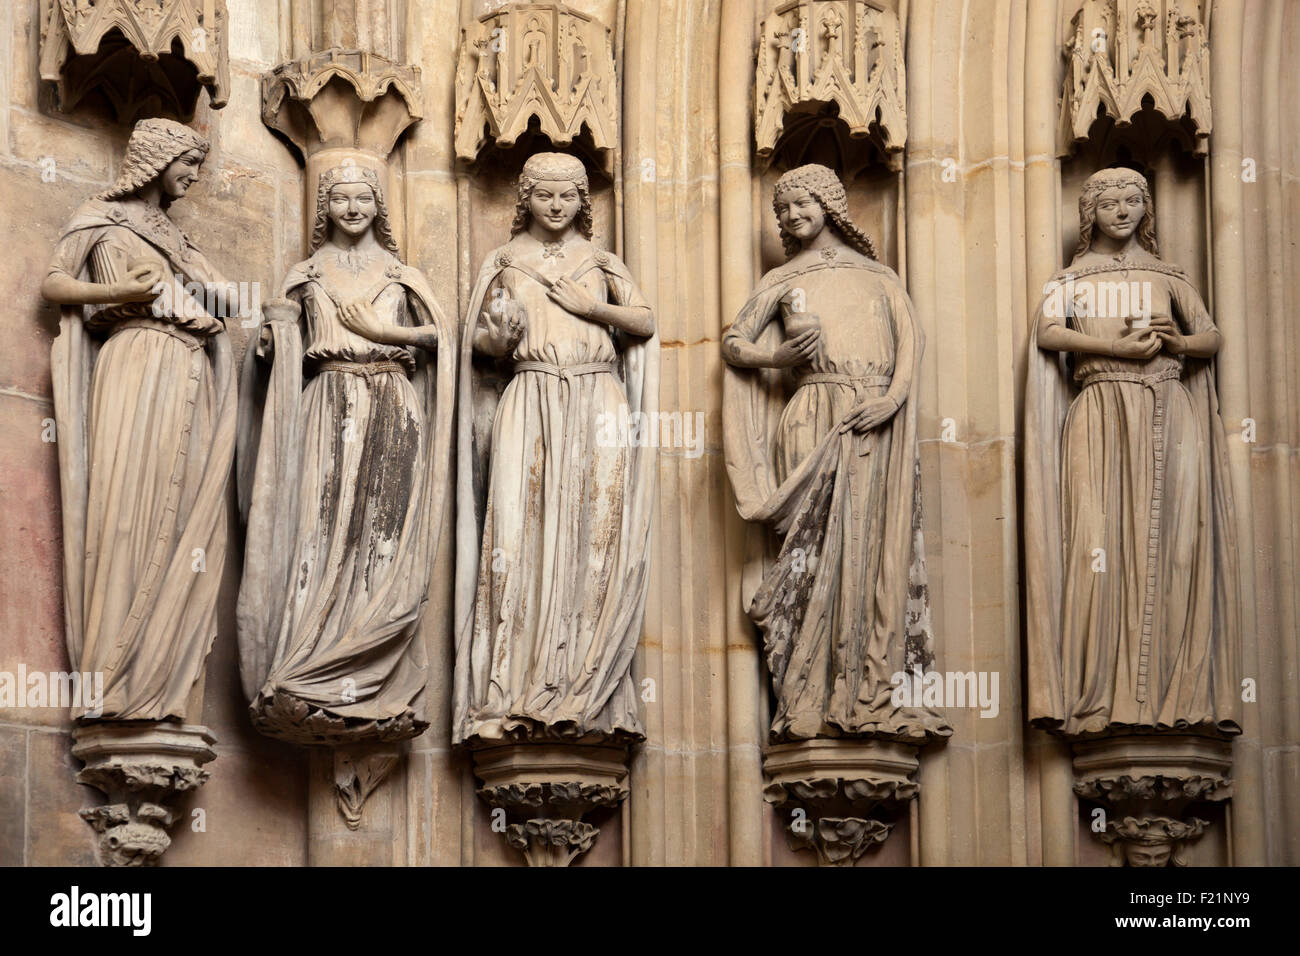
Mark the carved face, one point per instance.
(181, 173)
(1138, 855)
(352, 208)
(799, 213)
(554, 204)
(1119, 211)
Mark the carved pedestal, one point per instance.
(139, 766)
(1145, 784)
(839, 794)
(544, 790)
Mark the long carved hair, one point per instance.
(154, 145)
(824, 186)
(350, 173)
(552, 167)
(1098, 183)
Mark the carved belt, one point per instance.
(188, 339)
(367, 370)
(1149, 381)
(853, 381)
(567, 372)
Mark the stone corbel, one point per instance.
(127, 50)
(539, 61)
(541, 792)
(1146, 784)
(831, 67)
(841, 796)
(141, 767)
(1120, 52)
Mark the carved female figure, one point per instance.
(145, 403)
(833, 470)
(1130, 548)
(345, 456)
(549, 608)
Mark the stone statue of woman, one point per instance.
(819, 425)
(549, 608)
(145, 404)
(1130, 549)
(345, 458)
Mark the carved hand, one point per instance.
(799, 350)
(360, 317)
(505, 328)
(572, 297)
(1170, 335)
(1136, 344)
(276, 310)
(140, 283)
(869, 414)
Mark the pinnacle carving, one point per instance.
(1122, 51)
(540, 61)
(842, 54)
(119, 48)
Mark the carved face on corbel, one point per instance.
(800, 214)
(1138, 854)
(1151, 841)
(181, 173)
(352, 208)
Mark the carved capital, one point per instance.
(127, 50)
(838, 795)
(1121, 51)
(535, 60)
(342, 99)
(139, 766)
(543, 791)
(823, 59)
(1145, 784)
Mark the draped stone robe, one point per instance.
(145, 404)
(343, 482)
(1131, 556)
(554, 521)
(843, 605)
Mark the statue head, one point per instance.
(807, 197)
(1151, 841)
(1118, 202)
(159, 150)
(350, 200)
(553, 192)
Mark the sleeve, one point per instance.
(73, 251)
(1190, 307)
(758, 313)
(623, 290)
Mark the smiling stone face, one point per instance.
(352, 207)
(1120, 210)
(799, 213)
(181, 173)
(554, 204)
